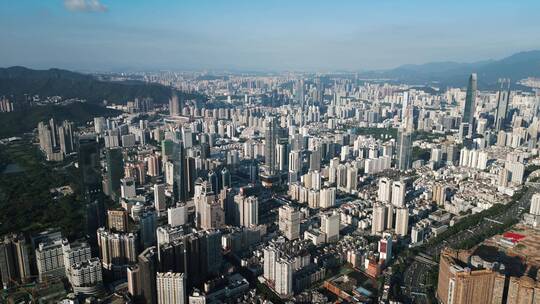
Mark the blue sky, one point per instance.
(261, 34)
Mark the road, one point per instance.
(416, 274)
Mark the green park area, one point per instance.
(25, 199)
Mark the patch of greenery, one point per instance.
(25, 200)
(419, 153)
(18, 81)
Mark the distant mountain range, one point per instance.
(18, 81)
(515, 67)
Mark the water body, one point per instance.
(13, 168)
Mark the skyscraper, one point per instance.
(503, 100)
(180, 187)
(160, 203)
(289, 222)
(174, 105)
(89, 166)
(147, 261)
(404, 149)
(470, 104)
(270, 138)
(115, 170)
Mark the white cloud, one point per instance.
(85, 5)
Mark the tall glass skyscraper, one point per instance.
(270, 138)
(470, 103)
(502, 104)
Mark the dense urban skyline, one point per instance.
(261, 35)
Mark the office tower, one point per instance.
(282, 153)
(213, 181)
(289, 222)
(270, 138)
(74, 253)
(117, 220)
(225, 178)
(470, 104)
(295, 161)
(535, 204)
(50, 260)
(378, 222)
(116, 250)
(299, 90)
(160, 203)
(171, 288)
(187, 137)
(167, 150)
(174, 105)
(405, 105)
(284, 277)
(180, 187)
(14, 265)
(398, 193)
(148, 262)
(115, 170)
(127, 187)
(246, 210)
(439, 194)
(404, 149)
(177, 215)
(402, 221)
(148, 225)
(330, 227)
(89, 166)
(503, 101)
(86, 276)
(385, 190)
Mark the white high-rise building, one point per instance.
(86, 276)
(402, 221)
(284, 273)
(177, 216)
(328, 197)
(74, 253)
(330, 227)
(289, 222)
(378, 222)
(535, 204)
(171, 288)
(385, 190)
(247, 210)
(398, 193)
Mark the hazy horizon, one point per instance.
(117, 35)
